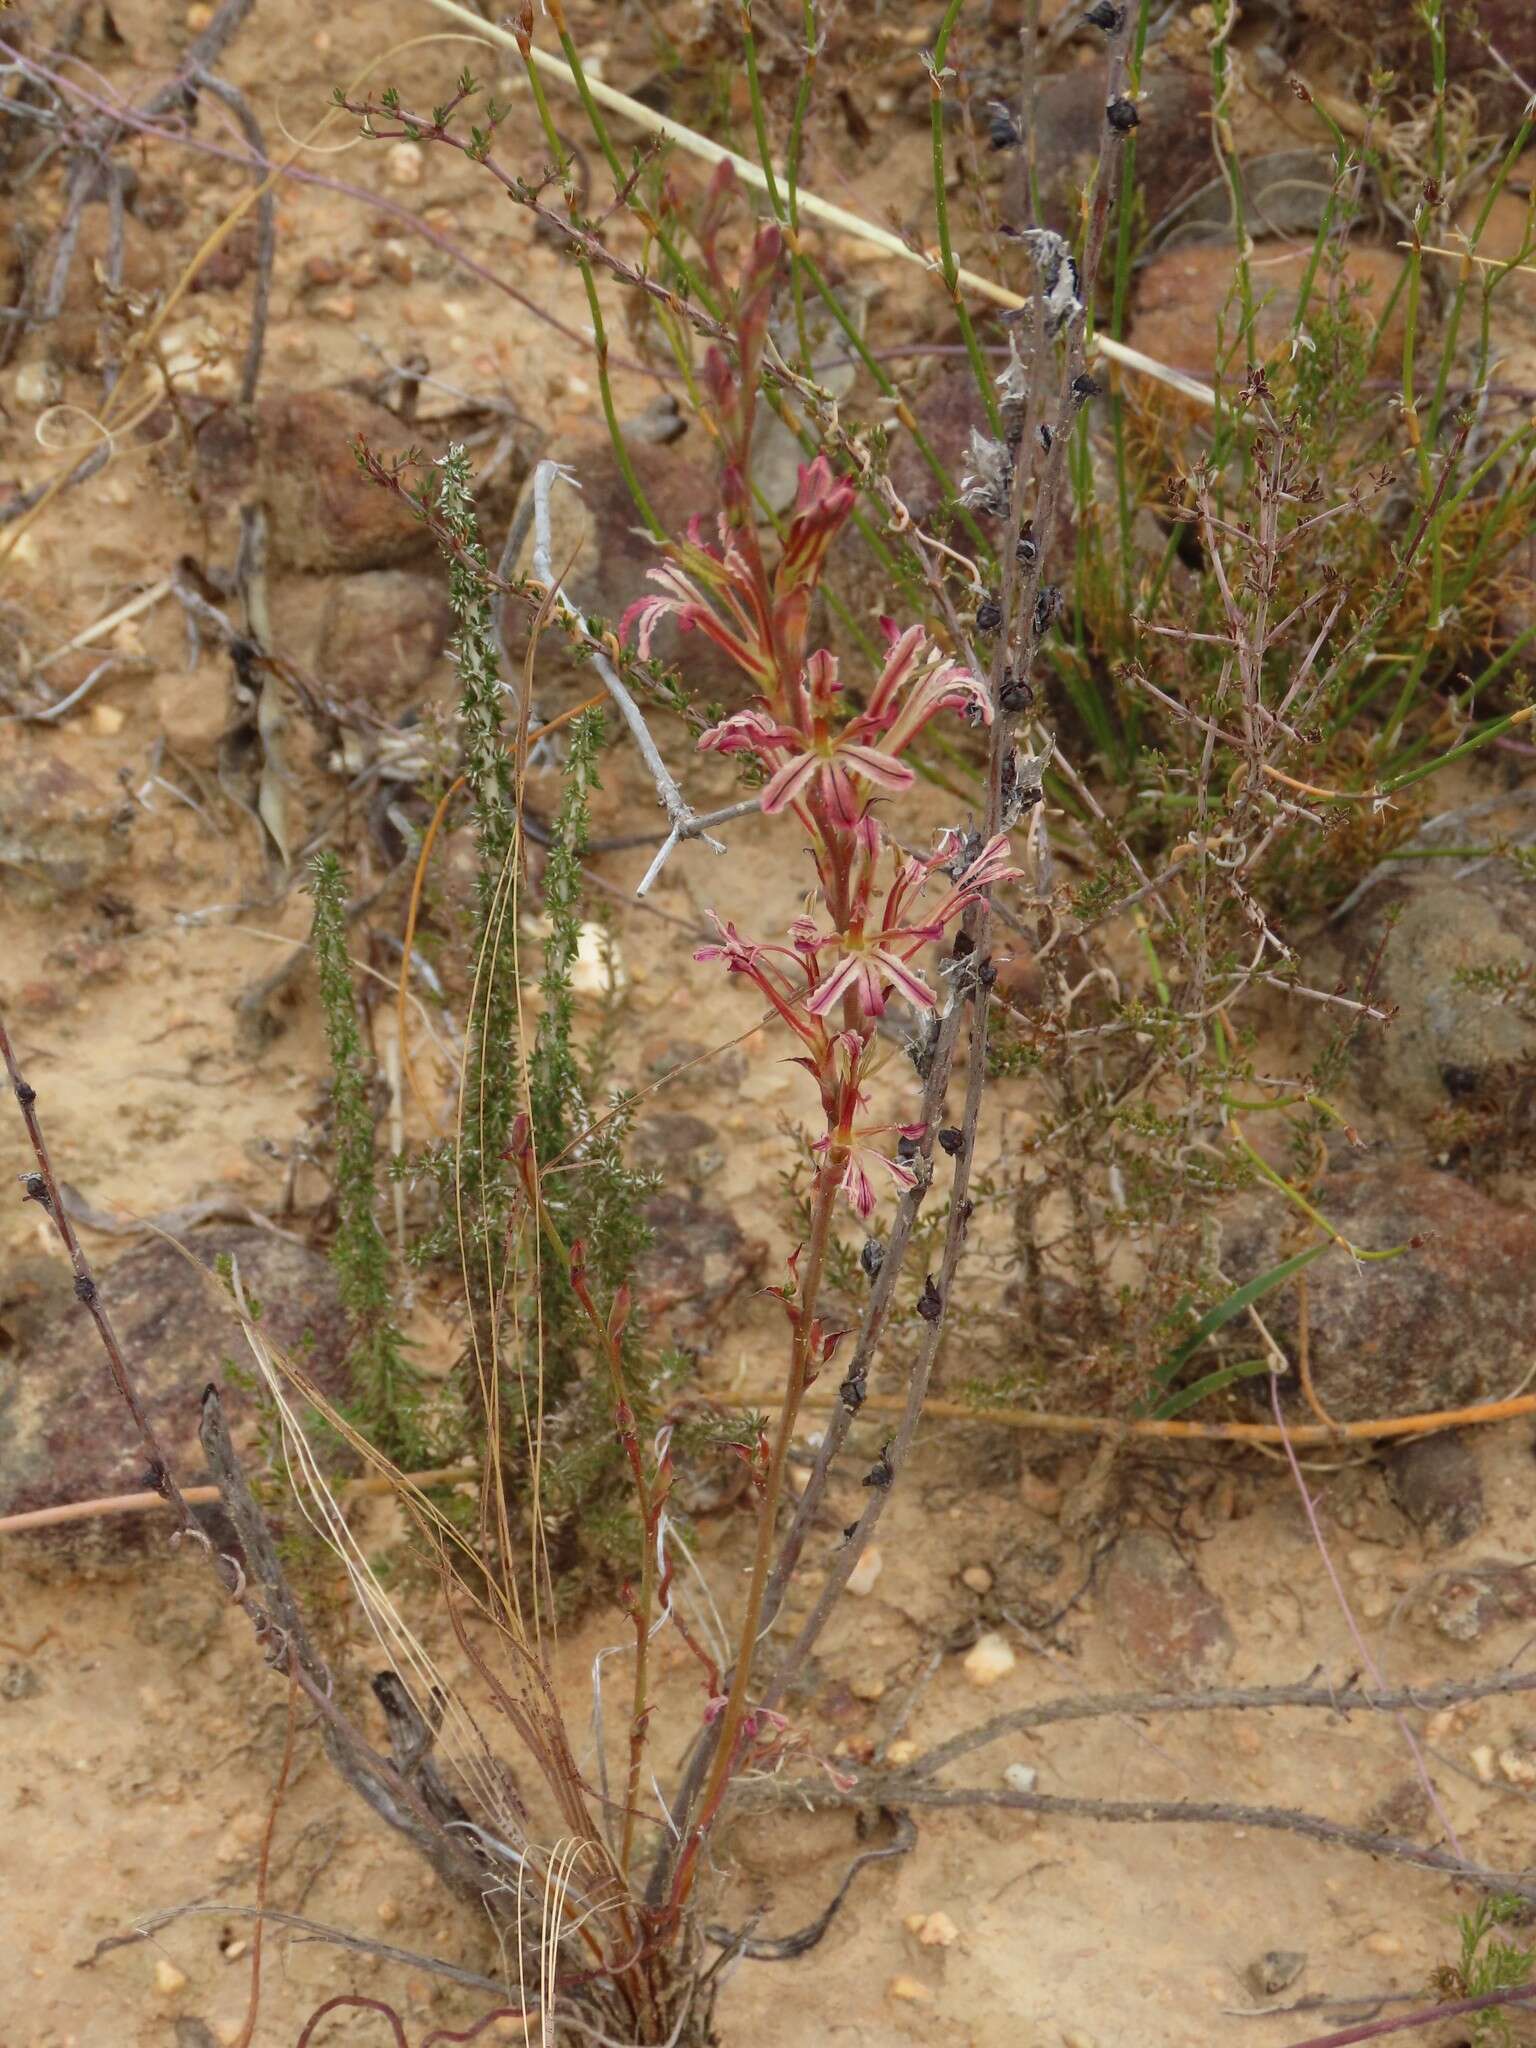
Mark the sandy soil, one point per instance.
(139, 1735)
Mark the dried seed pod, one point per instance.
(1002, 129)
(1015, 695)
(1122, 115)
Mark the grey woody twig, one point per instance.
(685, 821)
(899, 1790)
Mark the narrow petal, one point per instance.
(858, 1187)
(899, 664)
(850, 969)
(787, 784)
(906, 980)
(876, 766)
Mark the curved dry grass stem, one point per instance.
(839, 217)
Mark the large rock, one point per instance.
(1391, 35)
(323, 513)
(1173, 142)
(601, 548)
(1439, 928)
(1186, 301)
(699, 1260)
(1447, 1323)
(65, 1432)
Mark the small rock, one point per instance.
(990, 1658)
(681, 1147)
(1171, 1628)
(404, 164)
(231, 262)
(976, 1578)
(388, 1912)
(1021, 1777)
(1464, 1605)
(1043, 1495)
(1276, 1970)
(38, 385)
(938, 1931)
(192, 710)
(867, 1689)
(661, 423)
(1383, 1945)
(865, 1574)
(1076, 2037)
(697, 1262)
(1401, 1811)
(323, 273)
(1481, 1758)
(1438, 1485)
(168, 1979)
(1433, 1329)
(19, 1682)
(908, 1990)
(1518, 1766)
(901, 1752)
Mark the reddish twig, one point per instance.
(1426, 2016)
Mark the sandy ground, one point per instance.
(139, 1735)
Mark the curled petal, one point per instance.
(644, 616)
(821, 678)
(822, 504)
(747, 732)
(900, 663)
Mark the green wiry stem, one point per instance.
(387, 1387)
(949, 263)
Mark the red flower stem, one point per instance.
(794, 1388)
